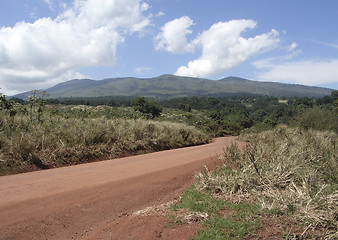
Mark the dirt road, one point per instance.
(86, 201)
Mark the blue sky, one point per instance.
(45, 42)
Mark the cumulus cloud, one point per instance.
(310, 72)
(224, 48)
(49, 50)
(173, 36)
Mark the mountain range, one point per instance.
(174, 86)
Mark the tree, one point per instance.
(334, 95)
(39, 100)
(7, 105)
(145, 106)
(184, 107)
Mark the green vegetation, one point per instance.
(7, 106)
(169, 86)
(282, 172)
(285, 172)
(221, 219)
(231, 115)
(45, 133)
(236, 225)
(288, 169)
(151, 108)
(199, 202)
(40, 137)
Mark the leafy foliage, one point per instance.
(145, 106)
(231, 115)
(317, 118)
(7, 105)
(36, 103)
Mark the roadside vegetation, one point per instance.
(218, 116)
(286, 175)
(283, 183)
(40, 137)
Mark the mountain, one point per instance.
(175, 86)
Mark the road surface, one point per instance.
(77, 202)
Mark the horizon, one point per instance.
(169, 75)
(146, 78)
(47, 42)
(219, 79)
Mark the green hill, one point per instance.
(175, 86)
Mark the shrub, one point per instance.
(317, 118)
(289, 170)
(145, 106)
(62, 140)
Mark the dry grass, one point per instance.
(181, 215)
(159, 210)
(287, 170)
(60, 141)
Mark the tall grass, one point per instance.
(61, 140)
(286, 170)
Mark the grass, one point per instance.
(286, 173)
(67, 136)
(221, 219)
(199, 202)
(289, 172)
(240, 220)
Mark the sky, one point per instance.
(46, 42)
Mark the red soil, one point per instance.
(96, 200)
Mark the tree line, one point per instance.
(225, 115)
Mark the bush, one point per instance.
(62, 140)
(287, 170)
(317, 118)
(147, 107)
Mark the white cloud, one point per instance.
(159, 14)
(41, 82)
(332, 45)
(310, 72)
(292, 54)
(87, 34)
(292, 51)
(292, 47)
(224, 48)
(328, 44)
(173, 36)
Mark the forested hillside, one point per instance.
(168, 86)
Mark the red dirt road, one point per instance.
(86, 201)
